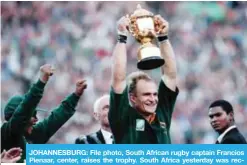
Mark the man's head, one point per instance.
(143, 93)
(101, 109)
(10, 110)
(221, 115)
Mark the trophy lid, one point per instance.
(140, 12)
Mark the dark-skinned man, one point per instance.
(221, 117)
(21, 125)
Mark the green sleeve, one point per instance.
(167, 100)
(119, 105)
(23, 113)
(59, 116)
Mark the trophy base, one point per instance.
(150, 63)
(149, 57)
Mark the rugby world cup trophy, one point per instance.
(142, 28)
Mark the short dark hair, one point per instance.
(134, 77)
(225, 105)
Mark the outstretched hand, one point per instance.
(11, 156)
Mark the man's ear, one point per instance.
(231, 116)
(96, 115)
(132, 98)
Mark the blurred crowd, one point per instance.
(209, 40)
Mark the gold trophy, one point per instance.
(142, 28)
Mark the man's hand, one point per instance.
(122, 25)
(11, 156)
(80, 87)
(45, 72)
(161, 26)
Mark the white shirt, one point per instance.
(224, 133)
(107, 136)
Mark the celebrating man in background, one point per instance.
(139, 113)
(20, 115)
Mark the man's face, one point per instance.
(146, 97)
(30, 125)
(219, 119)
(103, 110)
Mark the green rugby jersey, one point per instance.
(129, 127)
(13, 131)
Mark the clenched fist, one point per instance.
(161, 26)
(45, 72)
(80, 87)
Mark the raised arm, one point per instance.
(120, 57)
(169, 69)
(43, 131)
(25, 107)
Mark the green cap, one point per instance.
(13, 103)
